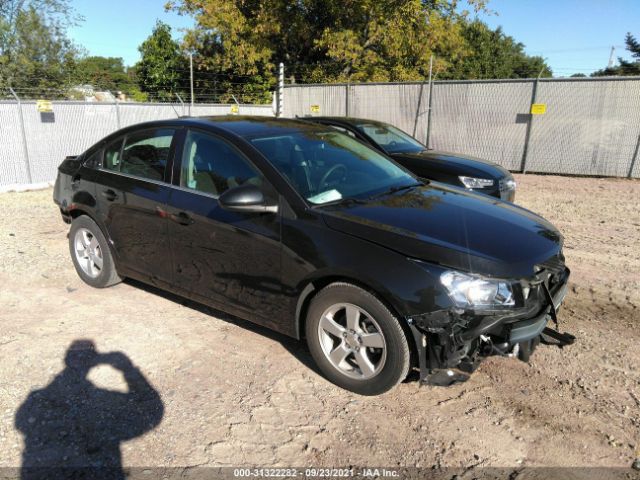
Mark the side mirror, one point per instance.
(246, 198)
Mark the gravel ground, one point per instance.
(215, 390)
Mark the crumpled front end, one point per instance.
(451, 343)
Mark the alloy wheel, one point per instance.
(88, 252)
(352, 341)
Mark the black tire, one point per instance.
(107, 275)
(395, 367)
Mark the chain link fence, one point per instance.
(35, 143)
(590, 126)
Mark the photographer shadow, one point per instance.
(73, 429)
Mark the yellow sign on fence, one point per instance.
(315, 108)
(44, 106)
(538, 109)
(235, 109)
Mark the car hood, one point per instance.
(466, 164)
(451, 227)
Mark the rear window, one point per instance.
(142, 154)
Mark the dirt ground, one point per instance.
(237, 394)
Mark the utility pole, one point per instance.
(191, 79)
(611, 57)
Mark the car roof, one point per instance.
(243, 126)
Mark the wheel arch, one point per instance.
(314, 286)
(79, 210)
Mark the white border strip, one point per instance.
(25, 187)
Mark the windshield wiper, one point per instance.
(343, 201)
(397, 189)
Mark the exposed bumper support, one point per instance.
(441, 377)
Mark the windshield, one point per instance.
(392, 139)
(329, 166)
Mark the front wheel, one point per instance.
(90, 253)
(355, 340)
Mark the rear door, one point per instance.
(229, 258)
(132, 192)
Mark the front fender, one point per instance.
(315, 256)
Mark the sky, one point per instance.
(116, 28)
(574, 36)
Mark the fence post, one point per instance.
(346, 100)
(635, 157)
(117, 114)
(280, 99)
(428, 139)
(415, 123)
(191, 104)
(181, 103)
(527, 136)
(24, 136)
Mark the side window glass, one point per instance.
(145, 153)
(112, 156)
(211, 165)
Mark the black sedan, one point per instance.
(460, 170)
(312, 233)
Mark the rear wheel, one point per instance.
(356, 341)
(91, 254)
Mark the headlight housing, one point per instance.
(473, 291)
(509, 184)
(473, 182)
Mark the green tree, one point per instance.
(625, 67)
(36, 57)
(241, 41)
(493, 54)
(633, 47)
(163, 70)
(105, 73)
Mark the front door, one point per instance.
(132, 194)
(227, 258)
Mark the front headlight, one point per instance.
(472, 182)
(472, 291)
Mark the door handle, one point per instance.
(182, 218)
(110, 195)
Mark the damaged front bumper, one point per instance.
(451, 343)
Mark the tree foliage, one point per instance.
(493, 54)
(625, 67)
(163, 69)
(105, 73)
(241, 41)
(35, 53)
